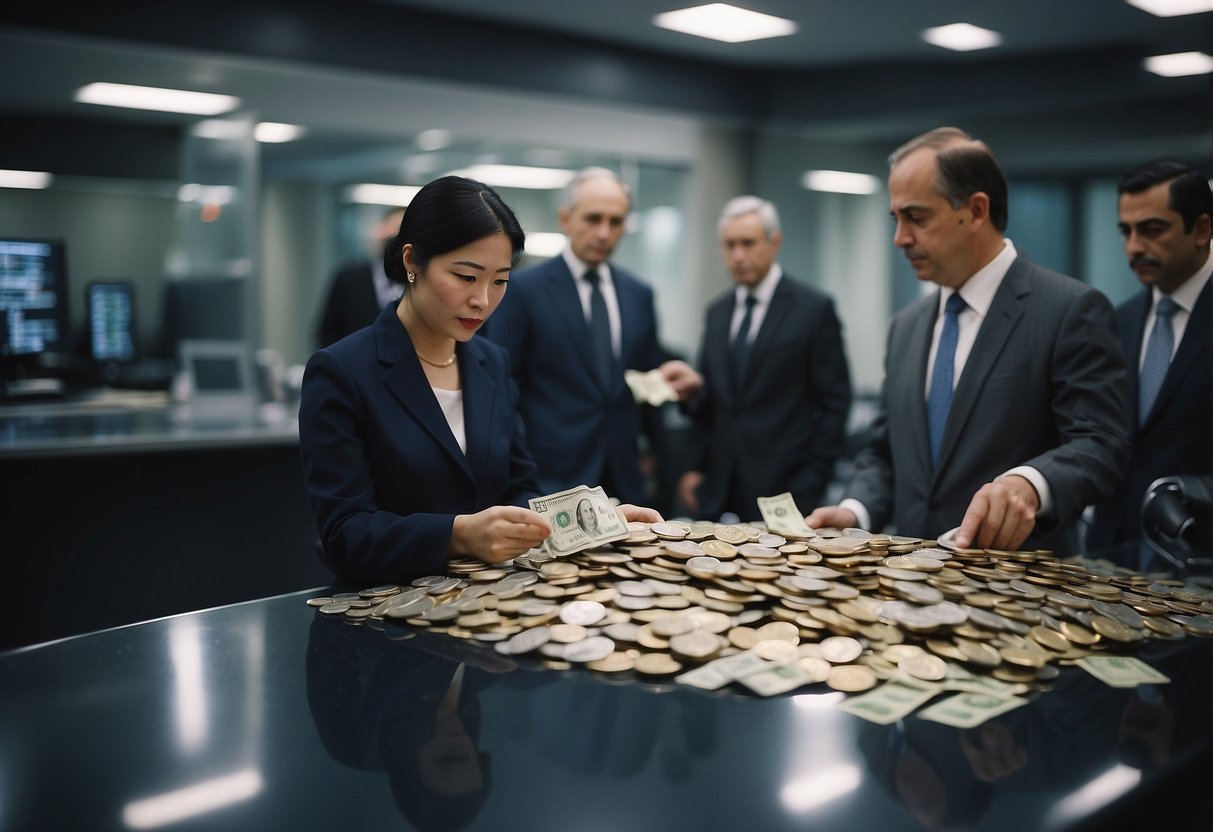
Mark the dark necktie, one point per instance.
(600, 331)
(939, 400)
(1158, 356)
(741, 342)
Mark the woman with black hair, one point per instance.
(411, 449)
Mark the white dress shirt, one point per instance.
(451, 402)
(1185, 298)
(762, 293)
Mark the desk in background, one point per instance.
(266, 715)
(118, 508)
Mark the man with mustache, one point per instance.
(1166, 210)
(1002, 411)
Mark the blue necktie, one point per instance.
(940, 397)
(600, 331)
(1158, 356)
(741, 342)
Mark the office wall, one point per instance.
(113, 229)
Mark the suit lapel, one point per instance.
(777, 312)
(479, 394)
(566, 303)
(1194, 345)
(919, 348)
(407, 383)
(1134, 323)
(1004, 314)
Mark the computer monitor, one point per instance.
(111, 321)
(33, 298)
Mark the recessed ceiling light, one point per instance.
(840, 182)
(962, 37)
(276, 132)
(518, 176)
(720, 21)
(157, 98)
(1180, 63)
(24, 179)
(369, 194)
(1172, 8)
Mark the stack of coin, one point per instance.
(845, 607)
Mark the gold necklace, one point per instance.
(439, 364)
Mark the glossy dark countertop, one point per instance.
(265, 715)
(106, 422)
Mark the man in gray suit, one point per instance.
(1002, 411)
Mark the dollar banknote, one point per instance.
(968, 710)
(783, 517)
(1121, 671)
(649, 388)
(890, 702)
(581, 518)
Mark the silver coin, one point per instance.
(584, 613)
(589, 650)
(529, 640)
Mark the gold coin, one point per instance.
(731, 534)
(774, 650)
(319, 602)
(978, 653)
(1111, 628)
(923, 666)
(614, 663)
(1050, 638)
(335, 608)
(696, 645)
(779, 631)
(1020, 657)
(718, 549)
(656, 664)
(1077, 634)
(851, 678)
(1163, 626)
(743, 638)
(567, 633)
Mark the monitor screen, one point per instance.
(33, 297)
(111, 320)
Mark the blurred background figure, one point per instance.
(359, 290)
(773, 411)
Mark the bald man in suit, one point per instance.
(1002, 413)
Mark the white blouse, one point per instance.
(451, 402)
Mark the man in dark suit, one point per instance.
(360, 290)
(772, 413)
(572, 326)
(1166, 211)
(1002, 411)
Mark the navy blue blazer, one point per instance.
(577, 429)
(382, 469)
(1176, 437)
(1042, 387)
(786, 426)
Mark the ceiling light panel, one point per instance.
(720, 21)
(156, 98)
(1180, 64)
(1172, 8)
(962, 37)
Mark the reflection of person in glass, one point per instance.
(587, 519)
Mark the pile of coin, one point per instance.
(714, 604)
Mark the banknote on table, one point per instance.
(1122, 671)
(568, 534)
(890, 702)
(968, 710)
(775, 679)
(783, 517)
(649, 388)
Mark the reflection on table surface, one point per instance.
(264, 715)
